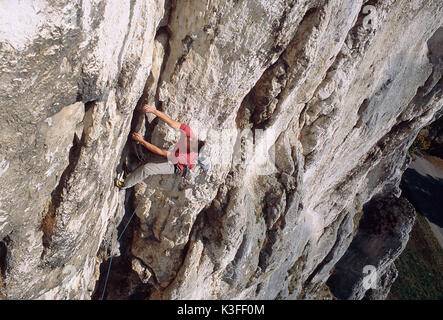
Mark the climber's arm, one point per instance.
(171, 122)
(154, 149)
(149, 146)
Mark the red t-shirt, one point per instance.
(180, 155)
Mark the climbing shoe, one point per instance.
(119, 183)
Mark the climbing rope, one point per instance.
(121, 235)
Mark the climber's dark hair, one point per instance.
(201, 144)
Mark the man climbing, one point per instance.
(180, 159)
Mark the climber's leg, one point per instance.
(144, 171)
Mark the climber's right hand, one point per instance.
(148, 109)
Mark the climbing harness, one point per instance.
(184, 173)
(121, 235)
(203, 163)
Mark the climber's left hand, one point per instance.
(136, 137)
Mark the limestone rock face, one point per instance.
(306, 108)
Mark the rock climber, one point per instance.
(181, 158)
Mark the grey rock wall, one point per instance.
(338, 89)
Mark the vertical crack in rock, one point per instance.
(121, 79)
(124, 279)
(274, 207)
(277, 30)
(294, 272)
(140, 123)
(48, 224)
(260, 104)
(364, 105)
(162, 37)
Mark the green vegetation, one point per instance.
(421, 143)
(324, 293)
(420, 266)
(2, 284)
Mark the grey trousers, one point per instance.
(144, 171)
